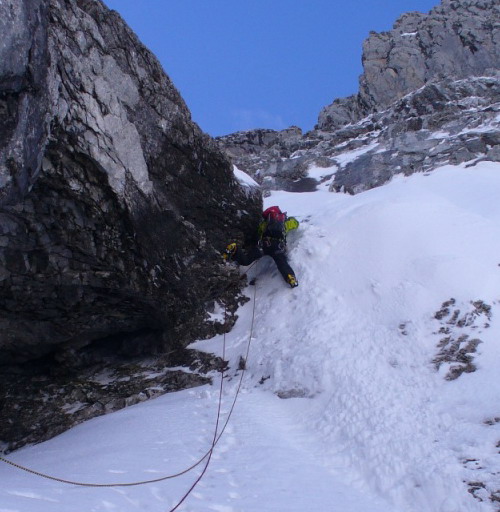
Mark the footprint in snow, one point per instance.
(32, 495)
(221, 508)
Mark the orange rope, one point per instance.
(167, 477)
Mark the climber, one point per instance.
(272, 242)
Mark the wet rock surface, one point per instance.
(114, 206)
(38, 407)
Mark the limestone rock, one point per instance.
(457, 39)
(266, 155)
(114, 206)
(429, 95)
(448, 122)
(38, 407)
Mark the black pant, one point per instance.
(270, 247)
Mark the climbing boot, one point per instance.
(230, 251)
(292, 281)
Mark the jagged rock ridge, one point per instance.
(459, 39)
(429, 95)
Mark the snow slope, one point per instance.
(342, 407)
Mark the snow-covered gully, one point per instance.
(373, 386)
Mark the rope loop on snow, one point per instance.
(206, 456)
(217, 435)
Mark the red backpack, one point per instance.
(275, 219)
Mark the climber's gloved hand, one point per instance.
(230, 251)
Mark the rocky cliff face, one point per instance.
(114, 206)
(458, 39)
(429, 95)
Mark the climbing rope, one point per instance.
(214, 440)
(207, 455)
(217, 437)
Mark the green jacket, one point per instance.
(290, 223)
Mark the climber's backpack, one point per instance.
(275, 219)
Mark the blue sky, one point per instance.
(261, 63)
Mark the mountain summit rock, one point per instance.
(429, 95)
(458, 39)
